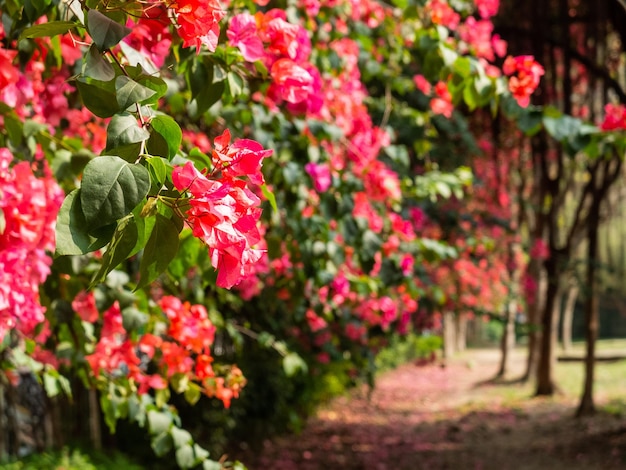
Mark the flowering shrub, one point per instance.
(132, 107)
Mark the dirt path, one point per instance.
(441, 418)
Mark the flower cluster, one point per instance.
(441, 102)
(28, 210)
(198, 22)
(224, 212)
(284, 49)
(524, 74)
(184, 350)
(614, 117)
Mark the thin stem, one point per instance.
(139, 114)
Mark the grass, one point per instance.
(609, 385)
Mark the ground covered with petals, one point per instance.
(452, 417)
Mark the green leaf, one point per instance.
(201, 454)
(153, 82)
(211, 465)
(53, 28)
(562, 127)
(129, 92)
(111, 188)
(199, 157)
(185, 457)
(161, 248)
(133, 319)
(122, 244)
(529, 122)
(96, 66)
(104, 31)
(198, 76)
(235, 84)
(208, 97)
(161, 444)
(193, 394)
(269, 195)
(158, 168)
(293, 363)
(14, 129)
(180, 437)
(169, 129)
(72, 236)
(145, 224)
(98, 96)
(50, 385)
(123, 130)
(159, 422)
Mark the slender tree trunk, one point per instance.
(461, 332)
(533, 318)
(568, 316)
(94, 420)
(587, 406)
(449, 340)
(508, 334)
(508, 337)
(545, 368)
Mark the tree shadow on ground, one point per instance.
(426, 418)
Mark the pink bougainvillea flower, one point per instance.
(29, 205)
(198, 22)
(487, 8)
(8, 73)
(614, 117)
(320, 173)
(442, 13)
(224, 215)
(243, 33)
(477, 34)
(293, 82)
(316, 323)
(150, 35)
(442, 103)
(422, 84)
(244, 157)
(85, 305)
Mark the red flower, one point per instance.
(198, 22)
(8, 73)
(525, 74)
(442, 104)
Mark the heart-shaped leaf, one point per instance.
(110, 190)
(105, 32)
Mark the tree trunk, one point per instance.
(94, 420)
(533, 317)
(449, 340)
(587, 406)
(568, 316)
(547, 360)
(461, 332)
(508, 337)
